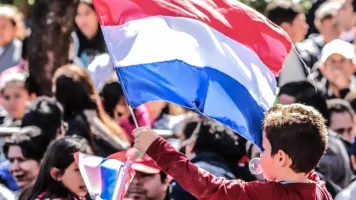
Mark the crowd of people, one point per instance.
(88, 111)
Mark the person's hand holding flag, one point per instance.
(144, 137)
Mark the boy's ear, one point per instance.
(55, 174)
(282, 158)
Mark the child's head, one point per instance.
(59, 176)
(14, 96)
(294, 140)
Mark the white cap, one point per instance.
(338, 47)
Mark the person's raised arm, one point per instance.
(196, 181)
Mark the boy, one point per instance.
(294, 140)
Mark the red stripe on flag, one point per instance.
(234, 19)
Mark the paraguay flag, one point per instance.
(217, 57)
(105, 178)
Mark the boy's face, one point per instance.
(7, 31)
(267, 161)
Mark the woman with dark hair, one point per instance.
(59, 176)
(74, 89)
(25, 151)
(91, 39)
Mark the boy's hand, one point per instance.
(144, 137)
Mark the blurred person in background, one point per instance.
(348, 193)
(334, 167)
(115, 105)
(342, 121)
(74, 89)
(149, 182)
(337, 67)
(329, 30)
(165, 115)
(212, 147)
(25, 151)
(59, 176)
(10, 46)
(290, 17)
(46, 113)
(14, 97)
(347, 19)
(91, 39)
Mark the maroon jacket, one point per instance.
(203, 185)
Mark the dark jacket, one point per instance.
(335, 164)
(210, 162)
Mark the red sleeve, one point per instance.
(196, 181)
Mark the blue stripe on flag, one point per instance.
(109, 177)
(205, 90)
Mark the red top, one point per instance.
(203, 185)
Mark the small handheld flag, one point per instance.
(105, 178)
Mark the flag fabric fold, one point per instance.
(217, 57)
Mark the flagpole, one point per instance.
(133, 116)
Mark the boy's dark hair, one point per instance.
(45, 113)
(340, 106)
(299, 131)
(31, 142)
(283, 11)
(351, 98)
(353, 5)
(212, 136)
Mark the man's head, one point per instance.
(150, 182)
(47, 114)
(337, 58)
(290, 17)
(347, 14)
(341, 118)
(325, 21)
(294, 140)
